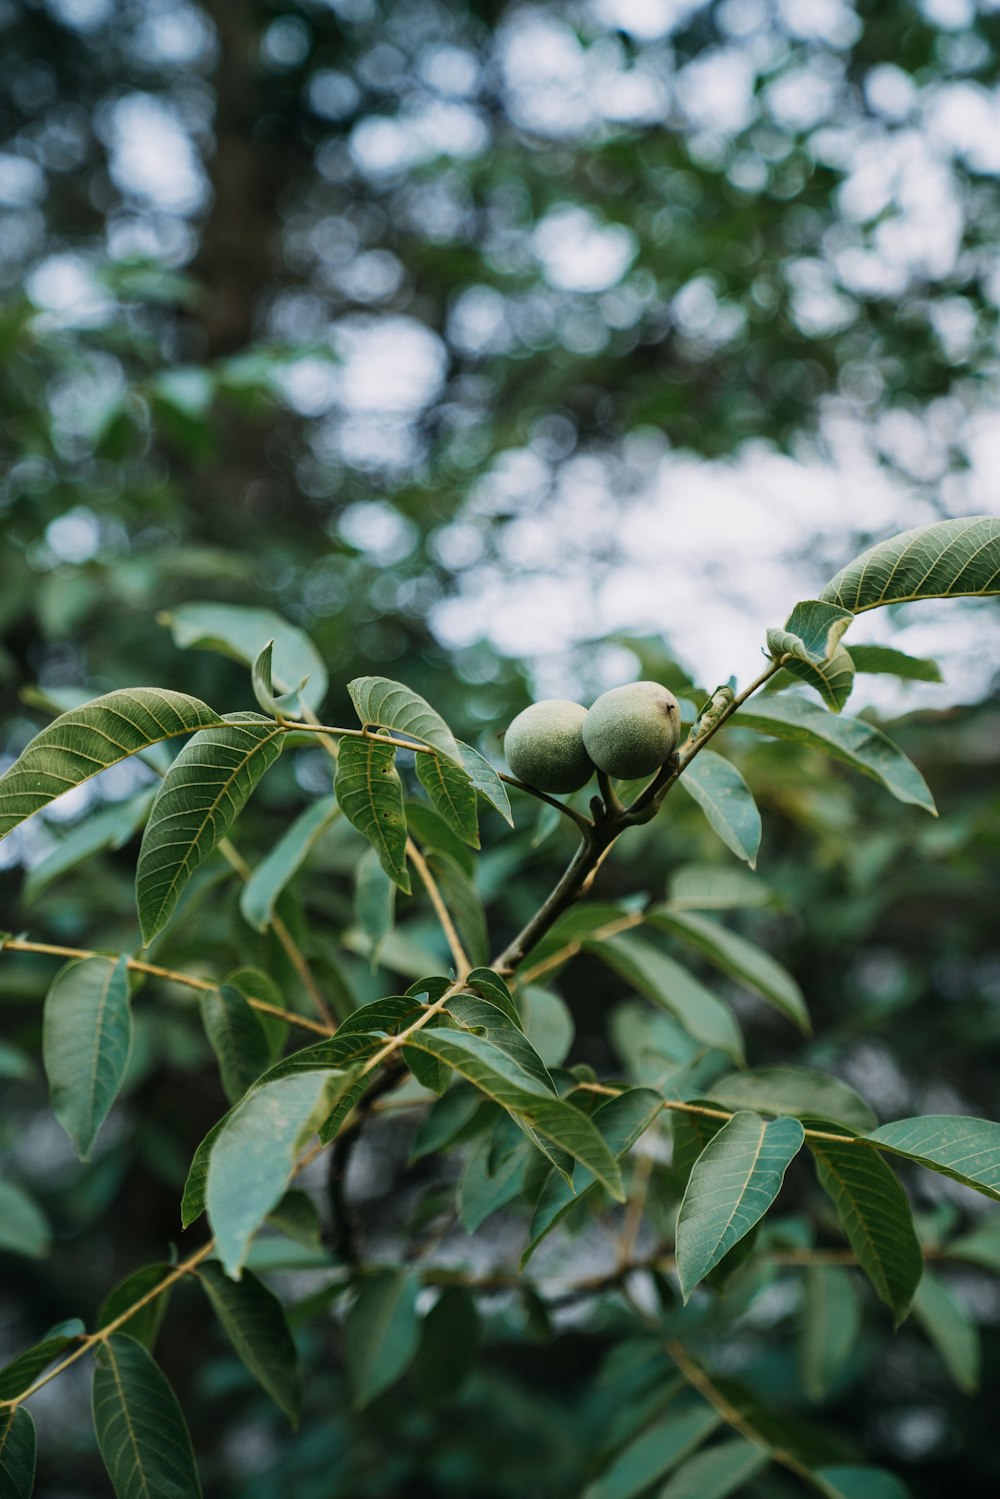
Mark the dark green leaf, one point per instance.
(17, 1454)
(371, 797)
(448, 1344)
(727, 801)
(857, 743)
(831, 1321)
(669, 985)
(21, 1372)
(242, 634)
(731, 1186)
(144, 1324)
(382, 1333)
(860, 1483)
(476, 1014)
(968, 1150)
(491, 986)
(237, 1038)
(447, 1120)
(950, 1329)
(493, 1177)
(199, 799)
(140, 1430)
(296, 1217)
(89, 739)
(254, 1322)
(883, 660)
(452, 793)
(86, 1041)
(813, 631)
(875, 1214)
(951, 559)
(463, 902)
(794, 1090)
(717, 1472)
(394, 706)
(271, 701)
(691, 1134)
(282, 863)
(658, 1449)
(741, 959)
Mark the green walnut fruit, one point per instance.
(630, 731)
(544, 746)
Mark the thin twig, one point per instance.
(551, 801)
(173, 976)
(460, 958)
(599, 934)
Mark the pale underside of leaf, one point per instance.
(951, 559)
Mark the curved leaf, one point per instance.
(392, 705)
(875, 1214)
(741, 959)
(87, 740)
(111, 827)
(22, 1371)
(718, 1471)
(486, 781)
(798, 1091)
(950, 1329)
(237, 1037)
(860, 1483)
(253, 1154)
(812, 632)
(966, 1149)
(17, 1454)
(255, 1324)
(727, 801)
(884, 660)
(282, 863)
(23, 1225)
(657, 1449)
(951, 559)
(140, 1430)
(452, 794)
(831, 1320)
(371, 797)
(852, 740)
(271, 701)
(670, 986)
(86, 1042)
(144, 1324)
(242, 634)
(382, 1333)
(732, 1184)
(199, 799)
(374, 902)
(833, 679)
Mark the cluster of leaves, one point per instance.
(481, 1052)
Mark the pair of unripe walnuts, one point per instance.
(556, 745)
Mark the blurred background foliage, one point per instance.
(506, 349)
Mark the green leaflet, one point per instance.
(140, 1430)
(711, 887)
(718, 1471)
(253, 1154)
(87, 740)
(282, 863)
(374, 902)
(727, 801)
(831, 1321)
(732, 1184)
(672, 987)
(798, 1091)
(486, 781)
(391, 705)
(462, 899)
(852, 740)
(270, 699)
(654, 1452)
(875, 1214)
(496, 1074)
(371, 797)
(950, 559)
(110, 828)
(382, 1333)
(452, 794)
(810, 641)
(741, 959)
(242, 634)
(966, 1149)
(884, 660)
(144, 1325)
(22, 1371)
(449, 1341)
(199, 799)
(17, 1454)
(860, 1483)
(237, 1037)
(86, 1042)
(255, 1323)
(950, 1329)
